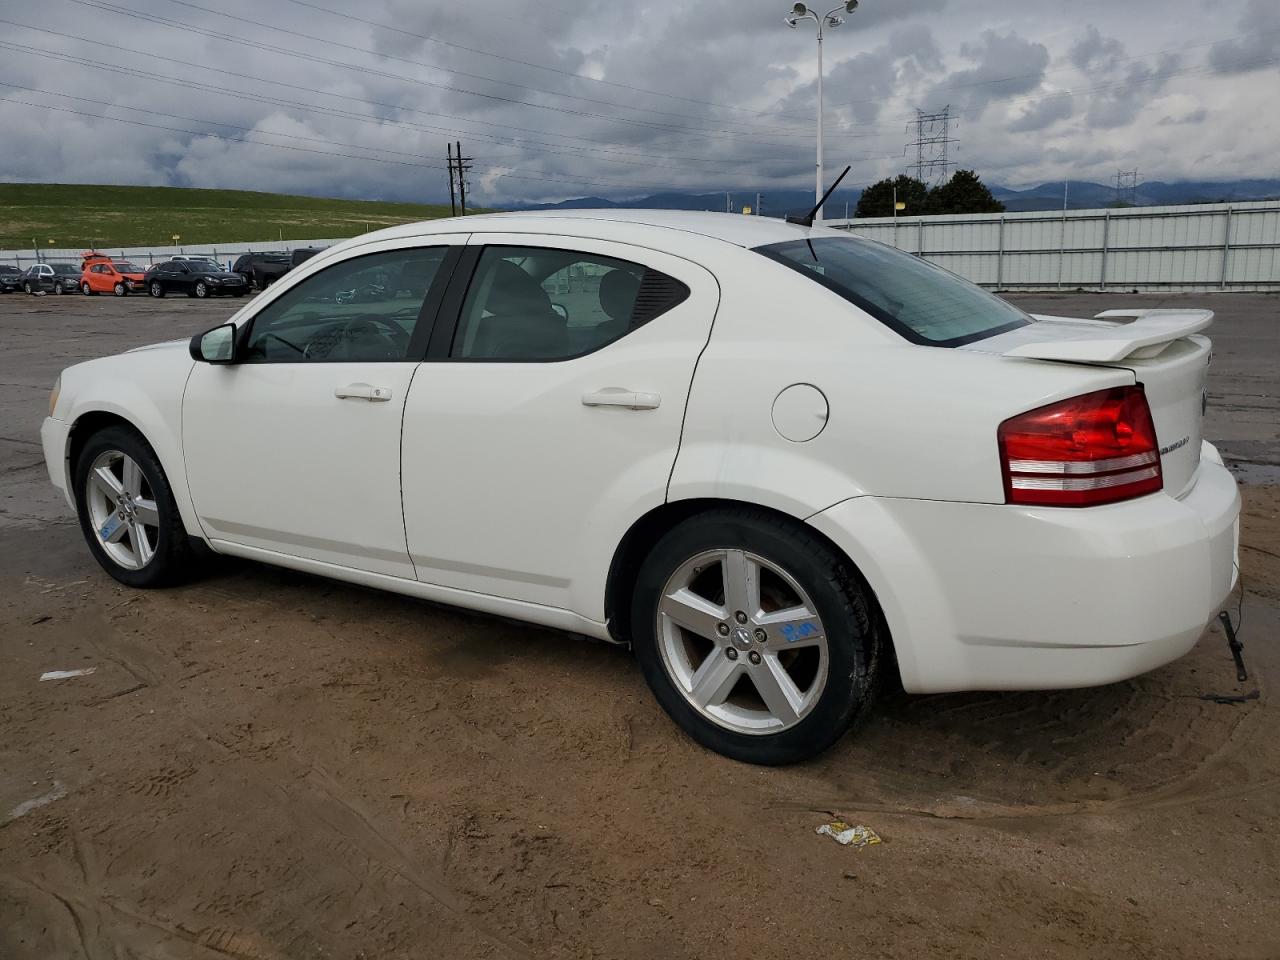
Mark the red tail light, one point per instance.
(1097, 448)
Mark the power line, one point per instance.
(359, 68)
(248, 95)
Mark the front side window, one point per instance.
(362, 309)
(532, 303)
(920, 301)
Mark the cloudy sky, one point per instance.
(566, 98)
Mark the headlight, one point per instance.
(53, 397)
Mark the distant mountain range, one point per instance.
(1081, 194)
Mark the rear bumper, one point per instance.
(996, 597)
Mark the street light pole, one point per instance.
(829, 19)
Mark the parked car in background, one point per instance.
(780, 462)
(10, 278)
(194, 277)
(303, 254)
(101, 274)
(51, 278)
(262, 269)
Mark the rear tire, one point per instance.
(26, 286)
(786, 682)
(86, 289)
(145, 554)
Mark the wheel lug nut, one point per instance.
(753, 656)
(722, 629)
(731, 653)
(740, 617)
(761, 636)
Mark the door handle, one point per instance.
(621, 397)
(362, 391)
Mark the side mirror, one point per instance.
(215, 346)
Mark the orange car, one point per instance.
(100, 274)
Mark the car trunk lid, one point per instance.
(1163, 350)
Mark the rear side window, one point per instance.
(533, 303)
(920, 301)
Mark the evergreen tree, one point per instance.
(877, 199)
(963, 193)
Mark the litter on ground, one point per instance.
(849, 835)
(66, 674)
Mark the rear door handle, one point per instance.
(363, 391)
(621, 397)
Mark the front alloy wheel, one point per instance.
(127, 511)
(122, 509)
(202, 291)
(156, 289)
(755, 635)
(119, 290)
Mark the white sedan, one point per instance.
(780, 462)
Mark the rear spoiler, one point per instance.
(1134, 333)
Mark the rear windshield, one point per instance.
(922, 302)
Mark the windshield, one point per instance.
(126, 267)
(207, 265)
(920, 301)
(66, 269)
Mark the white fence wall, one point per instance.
(145, 256)
(1216, 246)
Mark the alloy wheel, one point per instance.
(742, 641)
(118, 289)
(156, 289)
(122, 509)
(201, 290)
(84, 288)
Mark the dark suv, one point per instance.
(10, 278)
(194, 276)
(52, 278)
(262, 269)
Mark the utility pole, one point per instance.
(933, 138)
(758, 205)
(453, 203)
(1127, 185)
(464, 165)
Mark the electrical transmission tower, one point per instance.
(459, 167)
(1127, 187)
(932, 143)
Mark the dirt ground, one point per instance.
(268, 765)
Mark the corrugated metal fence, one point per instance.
(145, 256)
(1215, 246)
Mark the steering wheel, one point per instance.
(368, 329)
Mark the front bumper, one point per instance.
(997, 597)
(53, 438)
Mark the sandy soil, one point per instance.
(266, 764)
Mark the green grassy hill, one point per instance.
(79, 215)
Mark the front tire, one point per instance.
(57, 289)
(156, 289)
(756, 636)
(127, 511)
(119, 290)
(201, 290)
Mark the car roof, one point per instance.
(619, 224)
